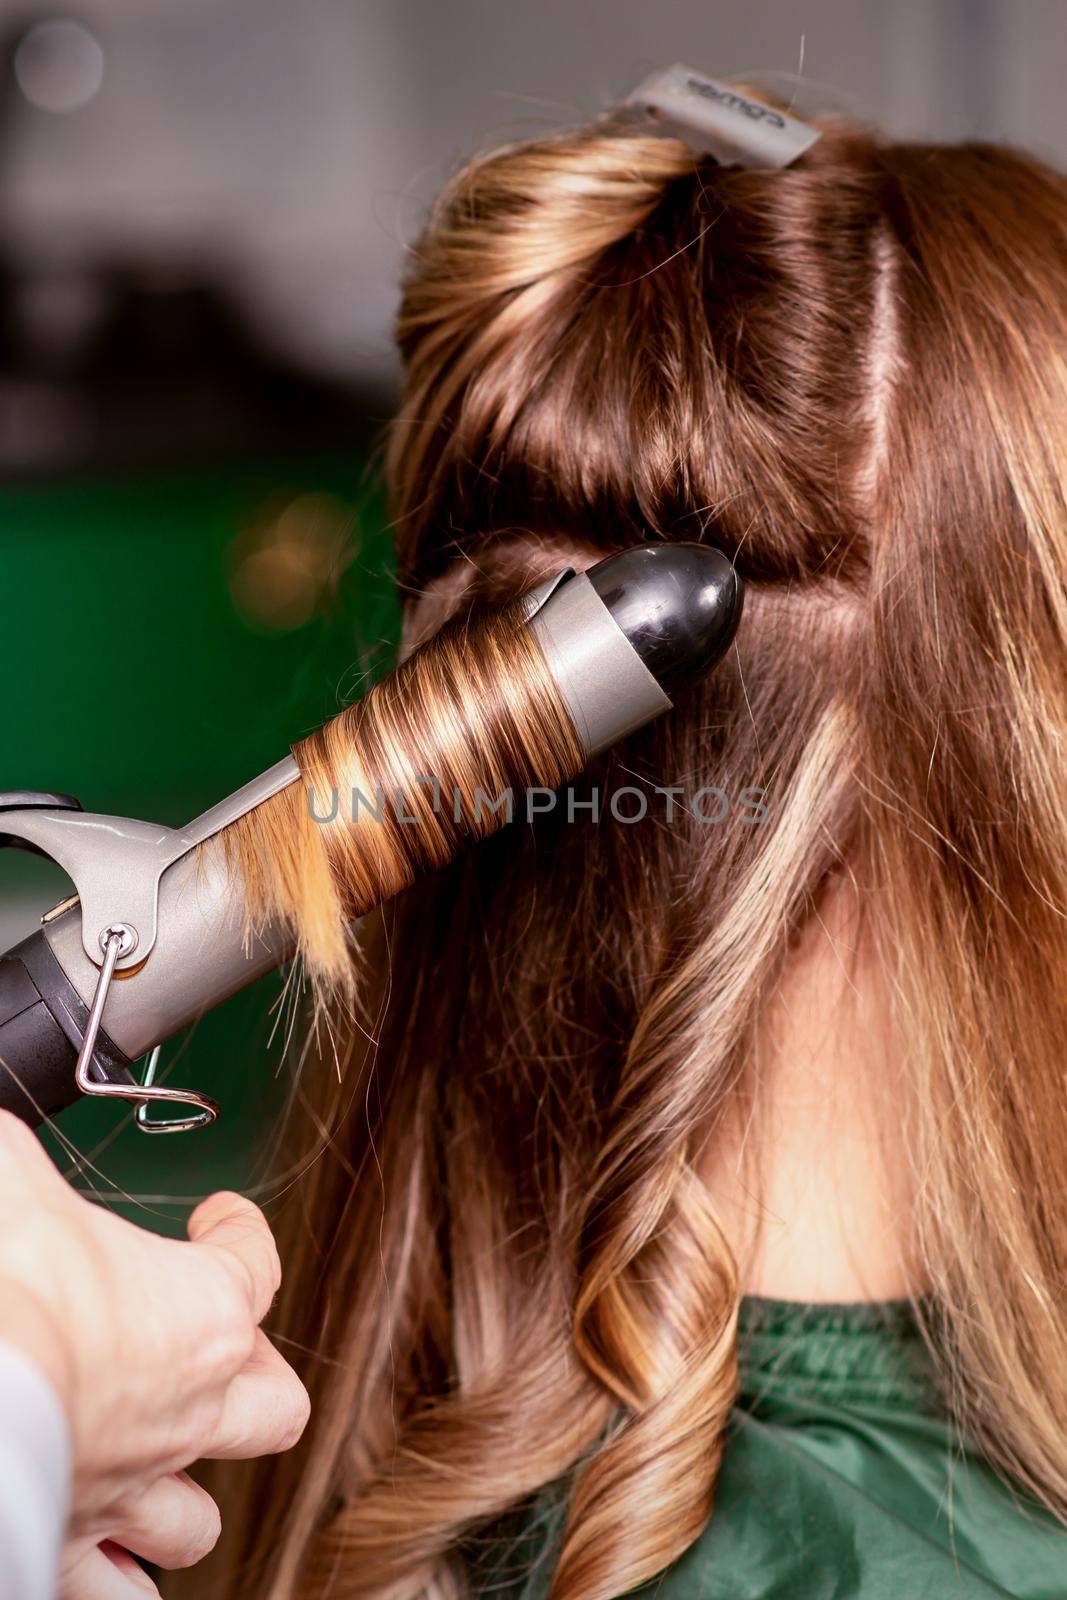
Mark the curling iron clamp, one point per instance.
(155, 935)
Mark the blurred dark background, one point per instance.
(204, 211)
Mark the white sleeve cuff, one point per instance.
(35, 1475)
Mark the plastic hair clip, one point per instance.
(717, 119)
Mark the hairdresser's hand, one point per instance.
(155, 1350)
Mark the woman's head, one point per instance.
(851, 375)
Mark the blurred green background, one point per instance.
(166, 635)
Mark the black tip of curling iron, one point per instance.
(678, 604)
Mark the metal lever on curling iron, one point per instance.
(118, 940)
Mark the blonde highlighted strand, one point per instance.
(429, 761)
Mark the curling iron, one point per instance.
(155, 935)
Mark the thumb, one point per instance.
(230, 1224)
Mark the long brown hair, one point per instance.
(852, 376)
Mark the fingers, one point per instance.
(238, 1231)
(107, 1573)
(175, 1523)
(266, 1408)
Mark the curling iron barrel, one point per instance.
(158, 935)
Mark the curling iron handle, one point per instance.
(42, 1021)
(47, 984)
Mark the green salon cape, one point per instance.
(842, 1480)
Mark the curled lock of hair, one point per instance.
(429, 761)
